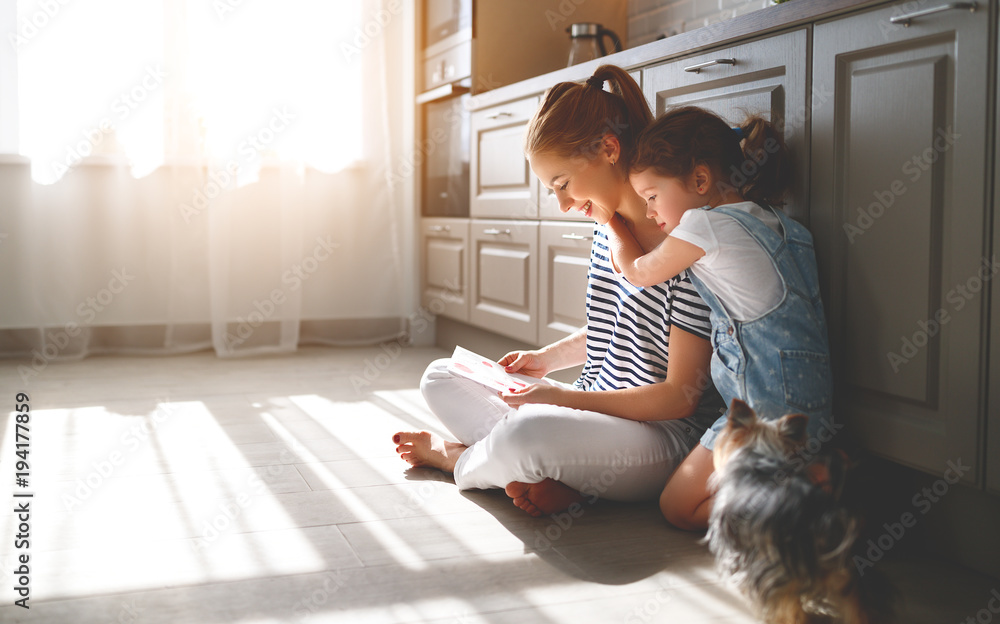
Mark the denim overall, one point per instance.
(779, 363)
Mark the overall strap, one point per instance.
(770, 240)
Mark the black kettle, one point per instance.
(587, 42)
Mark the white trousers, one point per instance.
(598, 455)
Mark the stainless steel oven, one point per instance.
(446, 162)
(445, 18)
(444, 102)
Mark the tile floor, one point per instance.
(195, 489)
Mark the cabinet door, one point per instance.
(993, 383)
(765, 77)
(899, 209)
(564, 251)
(502, 183)
(446, 267)
(504, 282)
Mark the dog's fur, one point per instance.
(778, 526)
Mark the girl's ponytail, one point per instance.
(574, 118)
(766, 162)
(752, 160)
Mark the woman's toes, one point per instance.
(531, 510)
(412, 437)
(421, 448)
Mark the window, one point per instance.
(152, 80)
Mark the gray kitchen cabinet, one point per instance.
(504, 277)
(767, 77)
(899, 211)
(502, 183)
(445, 269)
(993, 381)
(564, 254)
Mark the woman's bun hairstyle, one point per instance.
(574, 118)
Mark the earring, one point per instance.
(612, 163)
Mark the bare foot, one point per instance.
(544, 497)
(426, 450)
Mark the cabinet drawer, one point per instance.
(564, 253)
(449, 66)
(504, 279)
(502, 182)
(767, 77)
(445, 269)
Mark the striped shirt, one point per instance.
(628, 327)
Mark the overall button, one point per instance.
(730, 331)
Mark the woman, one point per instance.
(629, 420)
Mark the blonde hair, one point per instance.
(574, 118)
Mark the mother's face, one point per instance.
(590, 185)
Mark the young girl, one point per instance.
(711, 188)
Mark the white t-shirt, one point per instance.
(735, 267)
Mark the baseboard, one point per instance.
(72, 341)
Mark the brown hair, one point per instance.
(574, 118)
(756, 164)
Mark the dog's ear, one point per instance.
(793, 427)
(819, 475)
(741, 416)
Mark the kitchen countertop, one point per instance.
(765, 21)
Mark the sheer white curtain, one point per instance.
(185, 174)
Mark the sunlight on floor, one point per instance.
(363, 513)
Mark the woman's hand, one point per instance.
(530, 363)
(538, 393)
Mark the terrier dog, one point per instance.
(778, 526)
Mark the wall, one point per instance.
(649, 20)
(519, 39)
(8, 82)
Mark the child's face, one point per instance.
(666, 198)
(585, 184)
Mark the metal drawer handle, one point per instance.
(905, 20)
(697, 68)
(496, 232)
(577, 237)
(438, 228)
(500, 114)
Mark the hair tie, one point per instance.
(597, 83)
(739, 133)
